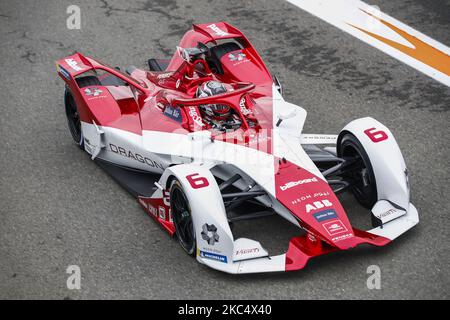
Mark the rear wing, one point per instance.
(218, 31)
(72, 66)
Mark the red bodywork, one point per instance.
(141, 105)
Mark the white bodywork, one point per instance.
(180, 154)
(391, 177)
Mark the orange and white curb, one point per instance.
(385, 33)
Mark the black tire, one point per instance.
(73, 118)
(363, 181)
(72, 114)
(182, 218)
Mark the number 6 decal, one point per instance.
(376, 136)
(197, 182)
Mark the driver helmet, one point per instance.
(211, 88)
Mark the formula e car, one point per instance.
(208, 131)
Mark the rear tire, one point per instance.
(72, 114)
(73, 118)
(364, 184)
(182, 218)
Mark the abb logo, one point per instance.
(197, 182)
(318, 205)
(376, 136)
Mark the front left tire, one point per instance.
(182, 218)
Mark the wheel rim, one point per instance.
(73, 118)
(182, 219)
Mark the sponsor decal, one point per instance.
(308, 196)
(92, 92)
(156, 210)
(152, 210)
(135, 156)
(296, 183)
(319, 137)
(325, 215)
(301, 199)
(164, 75)
(247, 251)
(162, 212)
(213, 256)
(173, 113)
(245, 111)
(342, 237)
(166, 198)
(73, 64)
(239, 56)
(219, 32)
(334, 227)
(195, 117)
(321, 194)
(386, 213)
(318, 205)
(64, 72)
(209, 234)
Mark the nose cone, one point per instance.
(314, 203)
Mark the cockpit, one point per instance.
(222, 106)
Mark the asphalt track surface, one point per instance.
(58, 208)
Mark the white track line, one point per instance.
(385, 33)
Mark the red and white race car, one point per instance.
(197, 136)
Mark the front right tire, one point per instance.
(363, 182)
